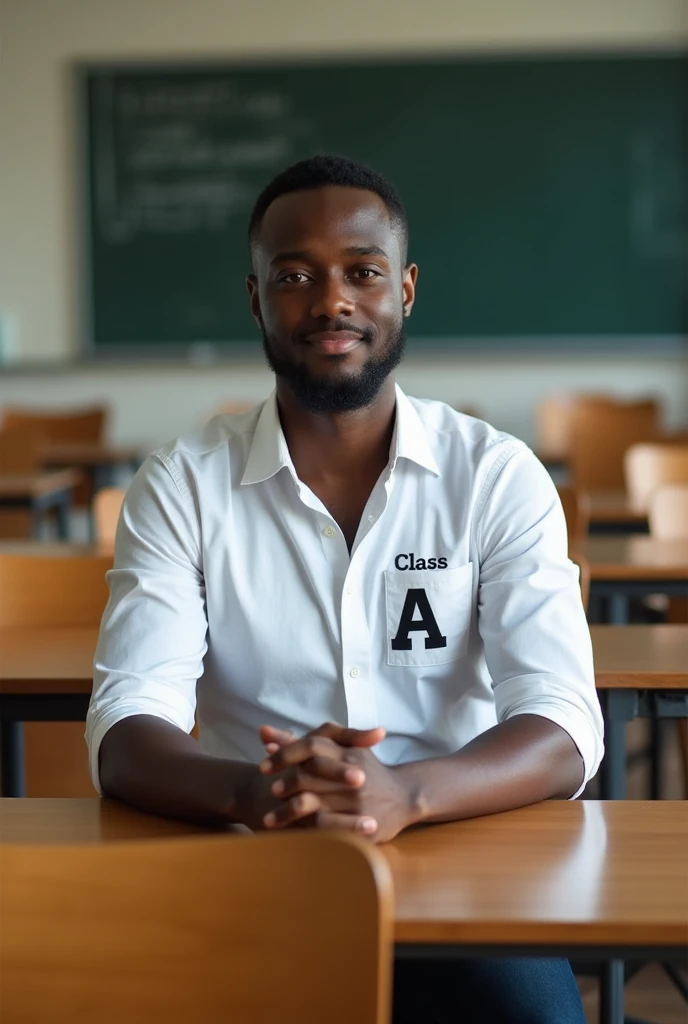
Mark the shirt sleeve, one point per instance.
(530, 612)
(153, 633)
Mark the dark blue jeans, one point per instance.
(495, 991)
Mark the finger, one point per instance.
(310, 746)
(270, 735)
(291, 811)
(319, 775)
(363, 824)
(347, 737)
(272, 748)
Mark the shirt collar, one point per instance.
(269, 452)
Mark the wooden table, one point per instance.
(640, 672)
(46, 675)
(626, 567)
(50, 549)
(559, 878)
(95, 460)
(614, 512)
(38, 493)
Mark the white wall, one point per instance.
(41, 39)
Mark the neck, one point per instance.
(338, 444)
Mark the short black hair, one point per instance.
(323, 170)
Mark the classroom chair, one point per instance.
(601, 434)
(19, 456)
(649, 466)
(576, 506)
(553, 422)
(247, 929)
(77, 426)
(54, 593)
(668, 519)
(107, 504)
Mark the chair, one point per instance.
(649, 466)
(601, 433)
(668, 512)
(210, 928)
(576, 506)
(54, 592)
(80, 426)
(19, 456)
(668, 519)
(107, 504)
(553, 422)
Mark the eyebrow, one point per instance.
(305, 254)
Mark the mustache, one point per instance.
(338, 324)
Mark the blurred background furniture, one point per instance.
(107, 505)
(48, 592)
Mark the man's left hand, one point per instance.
(380, 802)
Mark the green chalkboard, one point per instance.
(547, 198)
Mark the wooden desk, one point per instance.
(96, 460)
(40, 492)
(50, 549)
(613, 512)
(46, 675)
(626, 567)
(641, 672)
(576, 875)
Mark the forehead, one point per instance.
(326, 218)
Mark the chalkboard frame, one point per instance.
(205, 354)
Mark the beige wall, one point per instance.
(41, 39)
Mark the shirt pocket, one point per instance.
(428, 615)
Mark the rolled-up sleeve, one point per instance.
(153, 633)
(530, 614)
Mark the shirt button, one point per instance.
(371, 519)
(349, 588)
(355, 673)
(328, 531)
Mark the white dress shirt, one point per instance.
(235, 600)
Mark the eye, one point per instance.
(366, 274)
(295, 277)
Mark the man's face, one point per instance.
(329, 294)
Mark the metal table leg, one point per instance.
(612, 992)
(613, 768)
(63, 505)
(12, 758)
(618, 609)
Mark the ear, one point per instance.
(254, 299)
(408, 287)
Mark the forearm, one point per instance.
(157, 767)
(520, 761)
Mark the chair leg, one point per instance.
(674, 975)
(682, 726)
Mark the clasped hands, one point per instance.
(330, 778)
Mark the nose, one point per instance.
(332, 299)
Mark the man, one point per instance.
(375, 591)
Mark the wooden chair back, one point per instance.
(554, 420)
(19, 456)
(37, 591)
(668, 512)
(54, 592)
(78, 426)
(649, 466)
(576, 506)
(207, 928)
(107, 505)
(601, 435)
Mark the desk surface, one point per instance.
(575, 873)
(615, 507)
(88, 454)
(51, 549)
(637, 657)
(635, 558)
(37, 485)
(60, 660)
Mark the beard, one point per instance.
(335, 393)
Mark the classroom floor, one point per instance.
(649, 995)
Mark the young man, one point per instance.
(364, 599)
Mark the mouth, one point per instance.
(334, 343)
